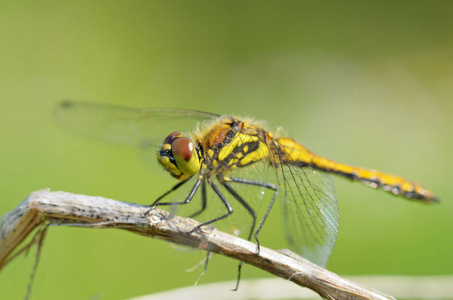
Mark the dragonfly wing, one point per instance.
(124, 125)
(310, 211)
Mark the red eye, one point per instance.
(182, 147)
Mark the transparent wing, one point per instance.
(124, 125)
(310, 210)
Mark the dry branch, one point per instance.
(45, 207)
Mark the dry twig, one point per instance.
(45, 207)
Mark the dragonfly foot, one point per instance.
(149, 210)
(195, 229)
(257, 252)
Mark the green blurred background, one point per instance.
(364, 83)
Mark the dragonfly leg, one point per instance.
(274, 197)
(268, 210)
(251, 211)
(253, 214)
(174, 188)
(188, 198)
(208, 257)
(203, 200)
(246, 205)
(224, 201)
(239, 277)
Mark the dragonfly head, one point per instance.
(180, 156)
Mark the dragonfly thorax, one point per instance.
(180, 156)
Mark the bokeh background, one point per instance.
(365, 83)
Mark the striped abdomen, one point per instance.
(294, 153)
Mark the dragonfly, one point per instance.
(207, 149)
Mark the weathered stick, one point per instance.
(45, 207)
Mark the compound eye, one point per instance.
(183, 147)
(185, 155)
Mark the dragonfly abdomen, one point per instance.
(294, 153)
(378, 180)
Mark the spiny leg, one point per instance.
(174, 188)
(208, 257)
(188, 198)
(253, 214)
(256, 183)
(262, 184)
(245, 204)
(224, 201)
(203, 200)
